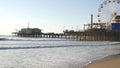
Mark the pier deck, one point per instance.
(79, 36)
(42, 35)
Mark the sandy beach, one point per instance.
(109, 62)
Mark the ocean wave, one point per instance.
(44, 46)
(3, 39)
(31, 39)
(35, 47)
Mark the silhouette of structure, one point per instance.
(35, 32)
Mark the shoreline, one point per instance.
(107, 62)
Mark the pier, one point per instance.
(93, 36)
(78, 36)
(42, 35)
(36, 32)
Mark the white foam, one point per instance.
(53, 54)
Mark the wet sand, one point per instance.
(108, 62)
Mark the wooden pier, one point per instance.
(93, 36)
(41, 35)
(78, 36)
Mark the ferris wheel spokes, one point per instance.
(112, 11)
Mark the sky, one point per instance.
(48, 15)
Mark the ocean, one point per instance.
(18, 52)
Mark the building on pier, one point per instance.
(36, 32)
(28, 31)
(116, 24)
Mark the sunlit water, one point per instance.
(52, 52)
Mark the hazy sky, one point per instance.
(48, 15)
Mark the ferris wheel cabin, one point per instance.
(116, 24)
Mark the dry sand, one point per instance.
(113, 62)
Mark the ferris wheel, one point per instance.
(108, 10)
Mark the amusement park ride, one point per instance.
(108, 17)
